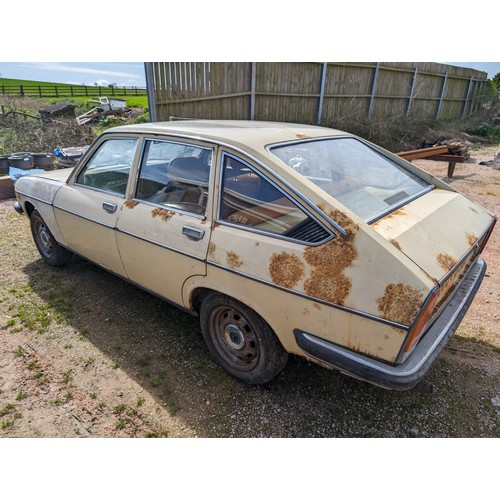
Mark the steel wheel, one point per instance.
(51, 252)
(234, 337)
(240, 340)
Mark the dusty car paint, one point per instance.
(362, 287)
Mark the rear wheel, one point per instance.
(240, 340)
(52, 253)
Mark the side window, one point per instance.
(109, 167)
(250, 200)
(175, 175)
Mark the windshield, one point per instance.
(353, 173)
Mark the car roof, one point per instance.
(250, 134)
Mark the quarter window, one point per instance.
(175, 175)
(109, 167)
(250, 200)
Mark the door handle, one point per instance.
(193, 232)
(109, 207)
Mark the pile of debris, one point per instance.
(457, 147)
(104, 106)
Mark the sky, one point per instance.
(130, 74)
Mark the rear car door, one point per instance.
(87, 207)
(163, 232)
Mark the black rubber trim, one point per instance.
(407, 374)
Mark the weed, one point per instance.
(119, 409)
(11, 322)
(20, 352)
(115, 366)
(143, 361)
(139, 402)
(21, 395)
(6, 409)
(67, 377)
(155, 383)
(68, 346)
(93, 395)
(158, 433)
(121, 423)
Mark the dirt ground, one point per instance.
(83, 354)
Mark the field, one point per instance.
(78, 94)
(83, 354)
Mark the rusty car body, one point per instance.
(283, 238)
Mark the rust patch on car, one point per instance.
(164, 214)
(211, 249)
(471, 238)
(472, 209)
(303, 136)
(396, 244)
(286, 269)
(400, 303)
(233, 260)
(131, 204)
(447, 262)
(317, 306)
(215, 225)
(329, 261)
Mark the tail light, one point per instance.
(422, 321)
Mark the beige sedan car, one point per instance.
(283, 238)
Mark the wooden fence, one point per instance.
(310, 92)
(68, 90)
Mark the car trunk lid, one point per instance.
(441, 232)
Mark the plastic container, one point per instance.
(42, 160)
(23, 162)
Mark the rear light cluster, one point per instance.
(440, 293)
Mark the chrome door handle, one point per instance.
(193, 232)
(109, 207)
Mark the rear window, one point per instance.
(359, 177)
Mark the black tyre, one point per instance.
(240, 340)
(52, 253)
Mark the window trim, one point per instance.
(92, 151)
(161, 205)
(251, 229)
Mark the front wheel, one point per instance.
(240, 340)
(52, 253)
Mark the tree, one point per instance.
(495, 81)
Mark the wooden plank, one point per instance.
(423, 153)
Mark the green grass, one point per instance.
(133, 101)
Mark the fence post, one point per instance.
(322, 81)
(253, 72)
(21, 90)
(40, 90)
(150, 89)
(124, 90)
(55, 88)
(467, 92)
(443, 88)
(373, 90)
(410, 98)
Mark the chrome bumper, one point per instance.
(407, 374)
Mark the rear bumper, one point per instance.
(410, 372)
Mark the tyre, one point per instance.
(52, 253)
(240, 340)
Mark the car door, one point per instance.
(163, 231)
(87, 207)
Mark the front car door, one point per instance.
(87, 207)
(163, 233)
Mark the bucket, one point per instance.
(4, 165)
(23, 162)
(42, 160)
